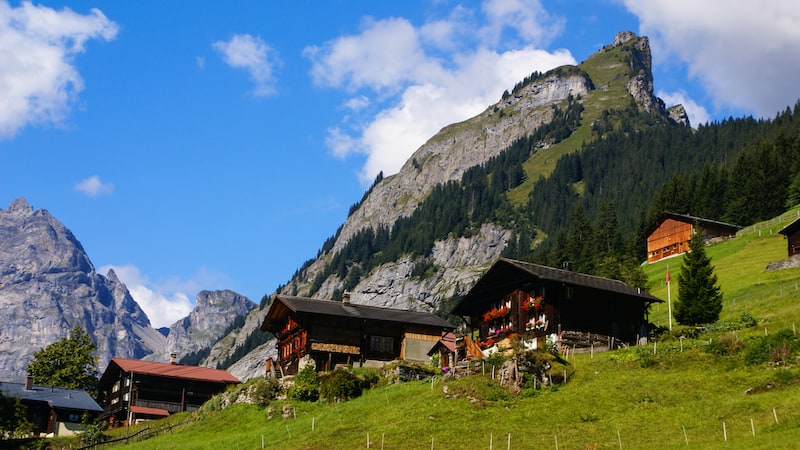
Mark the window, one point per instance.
(116, 387)
(381, 344)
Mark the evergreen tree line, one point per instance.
(673, 168)
(452, 209)
(762, 182)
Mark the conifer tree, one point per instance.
(699, 295)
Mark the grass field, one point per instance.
(672, 394)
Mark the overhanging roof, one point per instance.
(791, 228)
(57, 398)
(282, 304)
(692, 220)
(169, 370)
(146, 411)
(506, 275)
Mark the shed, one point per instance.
(536, 303)
(332, 333)
(670, 234)
(792, 233)
(132, 390)
(53, 411)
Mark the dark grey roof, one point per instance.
(352, 310)
(56, 397)
(791, 228)
(691, 219)
(506, 274)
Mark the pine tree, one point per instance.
(699, 295)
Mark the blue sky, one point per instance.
(215, 145)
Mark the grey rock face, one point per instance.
(215, 312)
(48, 285)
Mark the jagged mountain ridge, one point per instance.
(215, 312)
(614, 78)
(48, 285)
(617, 75)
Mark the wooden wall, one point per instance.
(670, 238)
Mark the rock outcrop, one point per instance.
(48, 285)
(214, 314)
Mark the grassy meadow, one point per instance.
(675, 393)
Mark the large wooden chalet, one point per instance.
(332, 333)
(538, 302)
(132, 390)
(670, 234)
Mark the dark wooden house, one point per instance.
(792, 233)
(131, 390)
(670, 234)
(53, 411)
(332, 333)
(534, 302)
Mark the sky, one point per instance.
(195, 145)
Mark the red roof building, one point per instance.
(134, 390)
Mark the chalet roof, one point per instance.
(791, 228)
(692, 220)
(57, 398)
(170, 370)
(506, 275)
(282, 303)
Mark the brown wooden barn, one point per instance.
(134, 390)
(670, 234)
(335, 333)
(538, 302)
(792, 233)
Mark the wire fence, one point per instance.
(141, 435)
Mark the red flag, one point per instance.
(667, 275)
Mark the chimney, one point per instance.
(346, 298)
(28, 382)
(173, 358)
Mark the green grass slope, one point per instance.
(674, 394)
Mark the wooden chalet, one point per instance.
(538, 302)
(332, 333)
(792, 233)
(52, 411)
(670, 234)
(132, 390)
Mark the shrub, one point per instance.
(340, 384)
(264, 389)
(776, 348)
(306, 385)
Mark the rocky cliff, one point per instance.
(614, 78)
(48, 285)
(214, 314)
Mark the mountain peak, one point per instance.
(20, 207)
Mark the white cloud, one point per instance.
(252, 54)
(93, 187)
(744, 55)
(38, 80)
(162, 307)
(429, 76)
(698, 114)
(166, 302)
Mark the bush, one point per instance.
(775, 349)
(264, 389)
(340, 385)
(306, 385)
